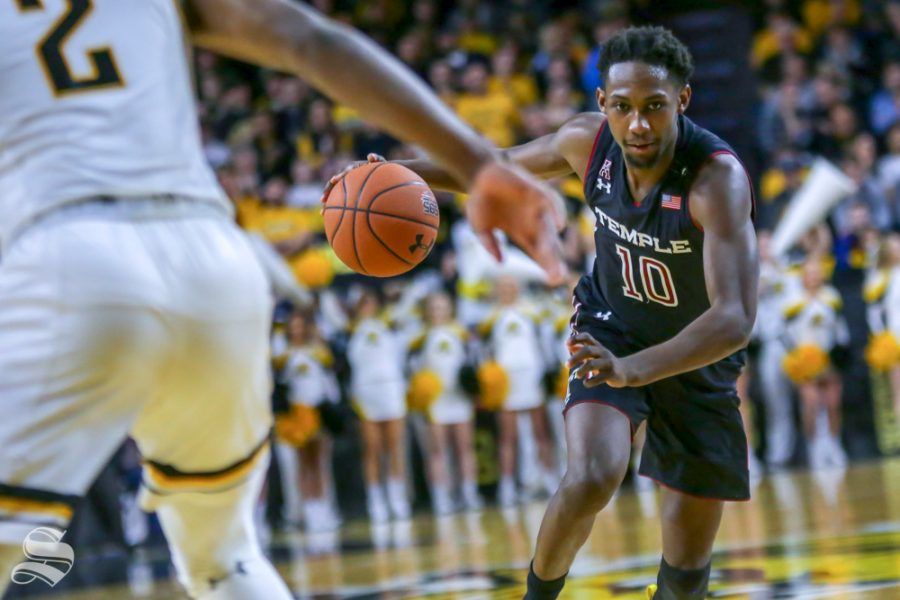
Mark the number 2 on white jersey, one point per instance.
(656, 279)
(53, 61)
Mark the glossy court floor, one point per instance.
(829, 534)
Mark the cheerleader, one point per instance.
(775, 286)
(378, 391)
(515, 345)
(441, 350)
(310, 384)
(816, 328)
(882, 294)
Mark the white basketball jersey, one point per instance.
(95, 100)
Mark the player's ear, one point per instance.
(684, 98)
(601, 99)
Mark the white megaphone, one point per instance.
(824, 187)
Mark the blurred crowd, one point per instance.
(419, 361)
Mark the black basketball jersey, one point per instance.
(648, 281)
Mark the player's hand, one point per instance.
(370, 158)
(595, 364)
(508, 198)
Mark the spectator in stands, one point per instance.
(884, 105)
(494, 115)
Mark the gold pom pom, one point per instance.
(424, 388)
(313, 268)
(298, 426)
(883, 351)
(562, 381)
(805, 362)
(493, 385)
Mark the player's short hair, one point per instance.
(652, 45)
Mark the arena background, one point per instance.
(782, 81)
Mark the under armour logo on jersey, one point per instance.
(605, 186)
(604, 316)
(606, 170)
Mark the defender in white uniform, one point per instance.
(129, 302)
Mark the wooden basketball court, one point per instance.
(827, 534)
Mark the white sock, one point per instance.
(250, 579)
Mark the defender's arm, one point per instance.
(345, 65)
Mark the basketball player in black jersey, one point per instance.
(661, 321)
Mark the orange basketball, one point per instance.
(381, 219)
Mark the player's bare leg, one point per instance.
(689, 526)
(599, 442)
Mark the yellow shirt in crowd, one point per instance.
(495, 116)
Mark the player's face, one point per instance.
(642, 104)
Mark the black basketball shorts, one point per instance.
(695, 437)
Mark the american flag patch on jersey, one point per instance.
(672, 202)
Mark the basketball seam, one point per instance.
(384, 214)
(356, 206)
(369, 212)
(392, 188)
(381, 241)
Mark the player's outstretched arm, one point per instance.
(560, 153)
(720, 203)
(345, 65)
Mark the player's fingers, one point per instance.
(545, 248)
(594, 370)
(488, 239)
(374, 158)
(555, 205)
(581, 355)
(333, 181)
(583, 337)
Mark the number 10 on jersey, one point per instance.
(656, 279)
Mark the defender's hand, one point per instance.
(371, 158)
(595, 364)
(508, 198)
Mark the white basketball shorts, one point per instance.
(142, 317)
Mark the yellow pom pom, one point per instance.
(298, 426)
(805, 362)
(562, 382)
(493, 385)
(313, 269)
(883, 351)
(424, 388)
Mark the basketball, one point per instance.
(381, 219)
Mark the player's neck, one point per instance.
(642, 180)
